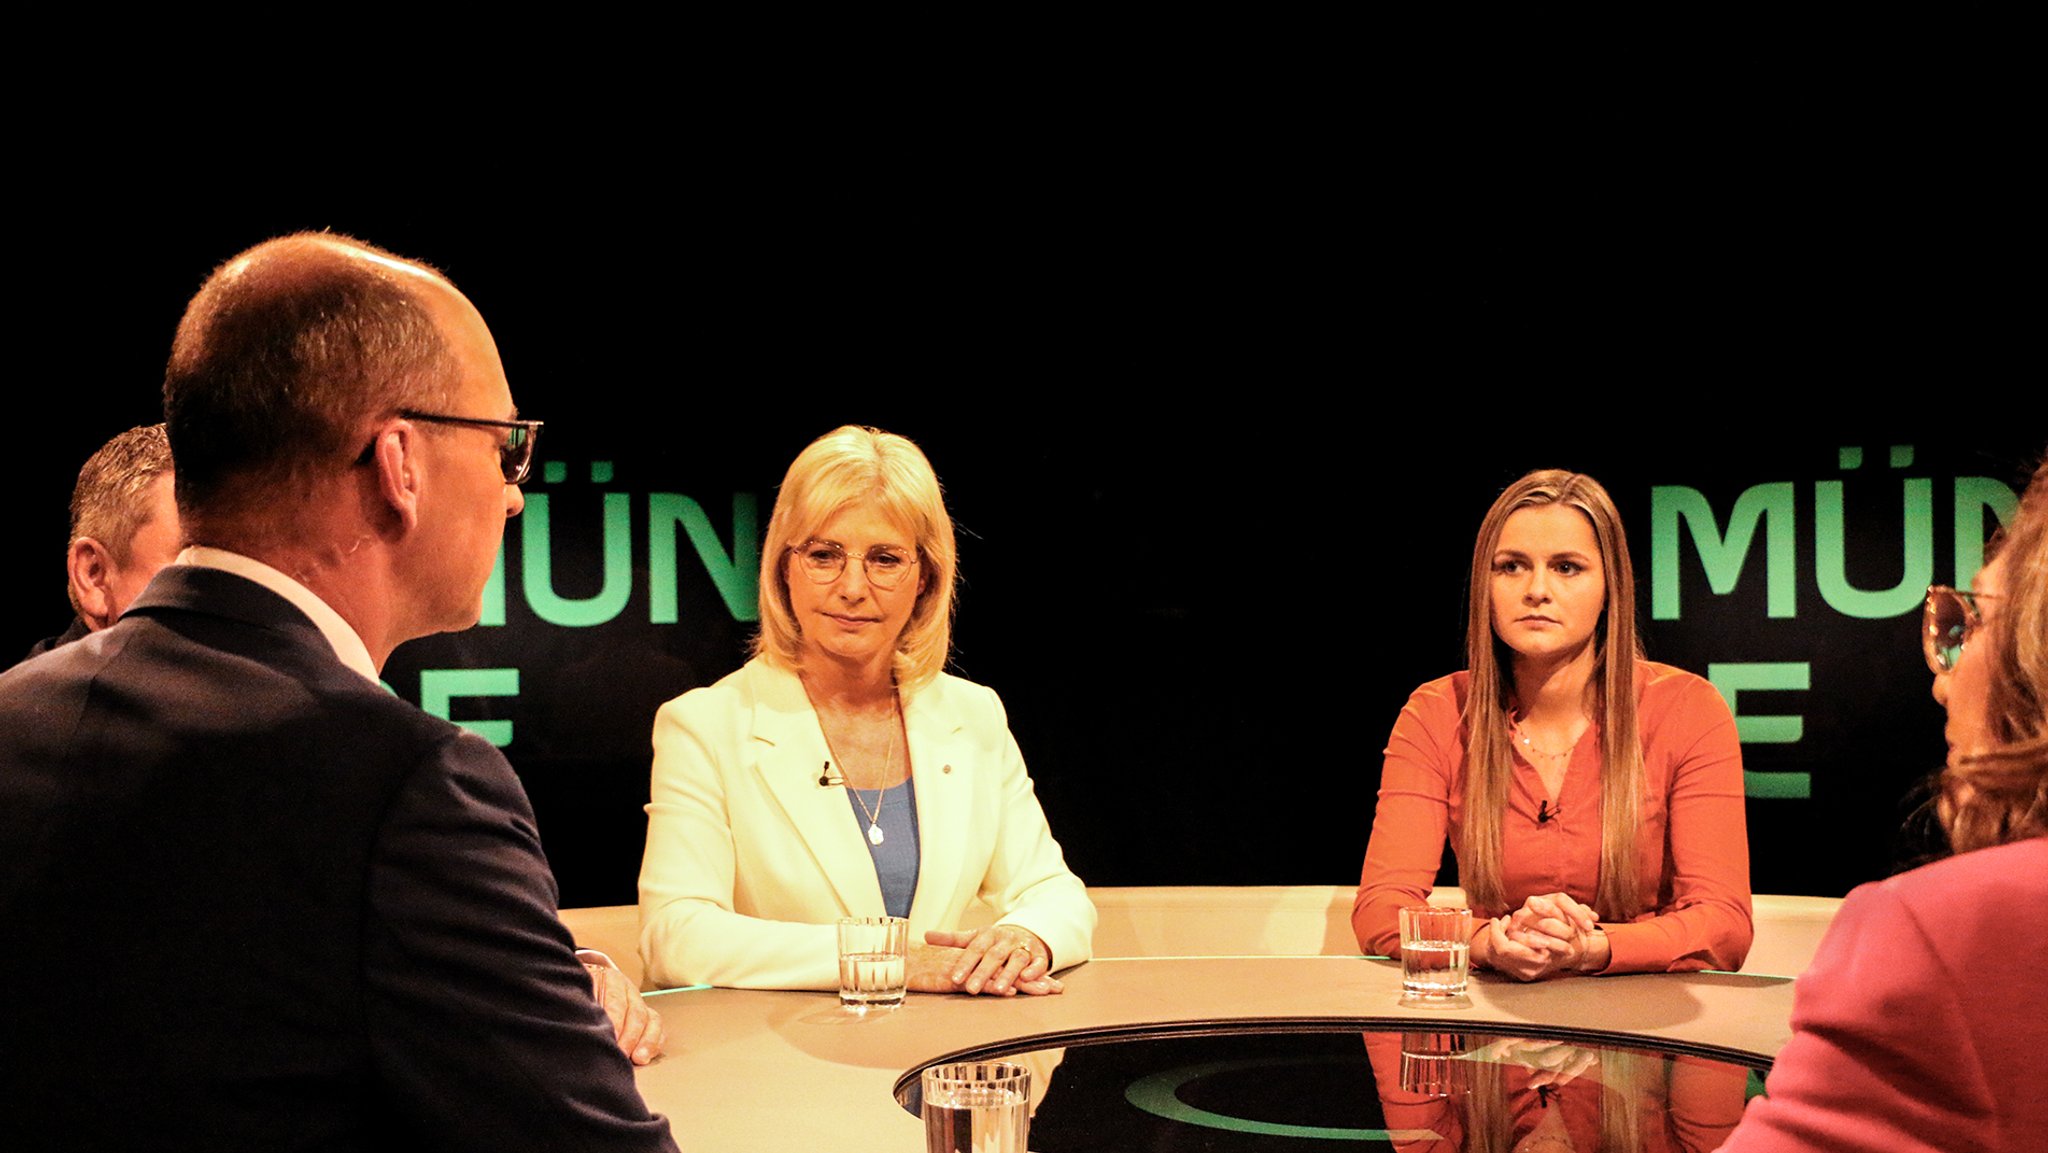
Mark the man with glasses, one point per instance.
(248, 898)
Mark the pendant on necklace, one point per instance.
(875, 834)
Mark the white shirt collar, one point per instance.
(348, 647)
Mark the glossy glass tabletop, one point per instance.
(1374, 1085)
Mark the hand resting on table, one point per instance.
(1002, 960)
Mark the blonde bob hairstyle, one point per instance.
(2001, 794)
(1610, 701)
(848, 466)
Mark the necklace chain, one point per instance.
(1515, 727)
(874, 816)
(875, 834)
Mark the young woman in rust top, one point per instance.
(1593, 798)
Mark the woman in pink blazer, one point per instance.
(1921, 1023)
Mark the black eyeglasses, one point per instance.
(822, 561)
(515, 456)
(1946, 623)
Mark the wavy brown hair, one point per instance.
(2001, 794)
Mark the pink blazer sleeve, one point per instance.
(1877, 1059)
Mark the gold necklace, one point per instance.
(875, 834)
(1515, 726)
(874, 816)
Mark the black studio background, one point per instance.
(1216, 444)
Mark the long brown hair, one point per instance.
(1489, 755)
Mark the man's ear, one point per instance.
(91, 568)
(395, 453)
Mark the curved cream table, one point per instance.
(751, 1070)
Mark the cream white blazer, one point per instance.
(750, 861)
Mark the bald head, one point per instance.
(284, 360)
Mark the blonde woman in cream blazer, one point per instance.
(750, 861)
(841, 772)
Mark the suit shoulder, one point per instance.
(344, 691)
(396, 741)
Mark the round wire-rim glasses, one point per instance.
(1946, 623)
(822, 562)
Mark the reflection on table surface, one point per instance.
(761, 1070)
(1381, 1087)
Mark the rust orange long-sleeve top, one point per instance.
(1692, 847)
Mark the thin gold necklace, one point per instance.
(1515, 725)
(875, 834)
(874, 816)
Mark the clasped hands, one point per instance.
(1002, 960)
(1549, 936)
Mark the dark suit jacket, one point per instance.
(251, 900)
(77, 632)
